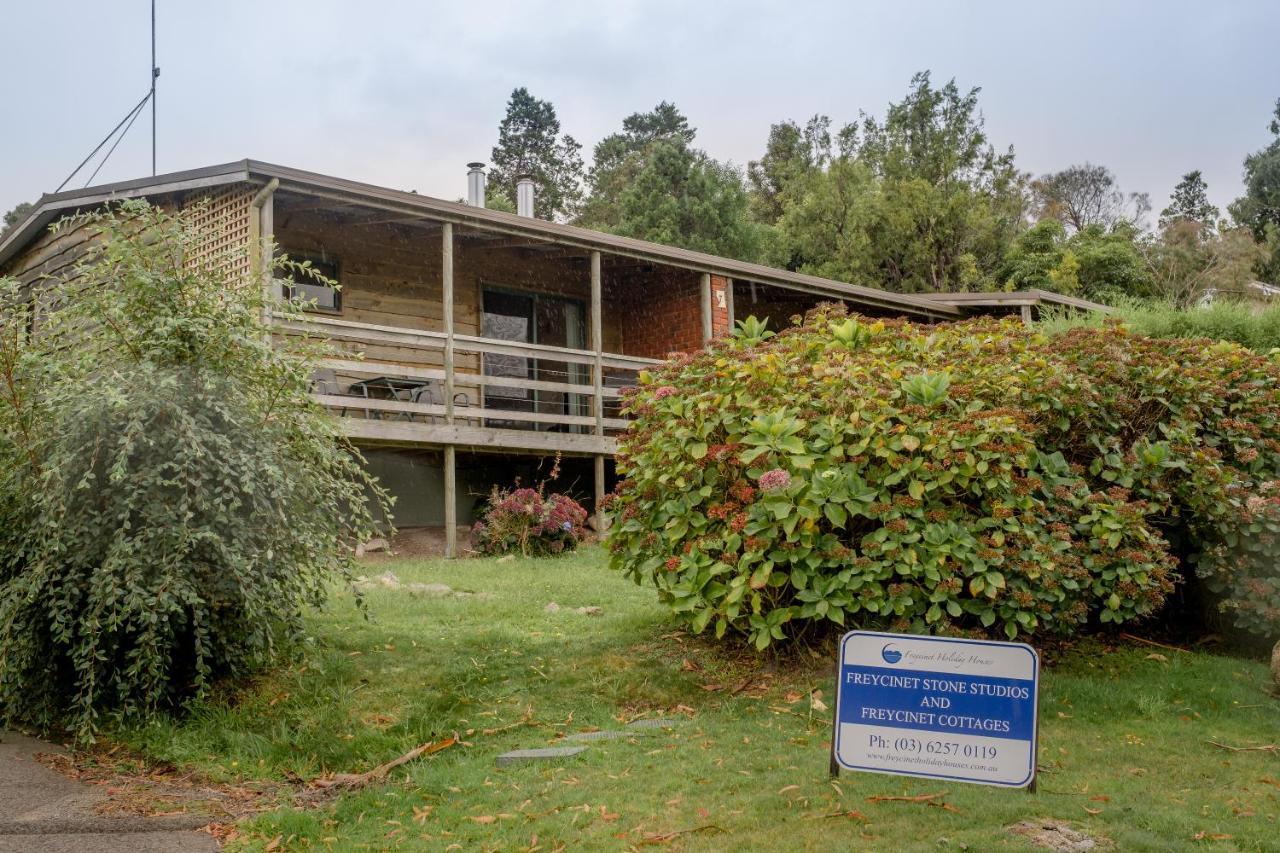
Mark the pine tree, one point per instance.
(1190, 203)
(530, 143)
(619, 158)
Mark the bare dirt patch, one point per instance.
(1057, 835)
(135, 786)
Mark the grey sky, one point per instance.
(403, 94)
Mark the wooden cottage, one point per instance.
(471, 342)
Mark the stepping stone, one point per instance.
(656, 723)
(550, 753)
(605, 735)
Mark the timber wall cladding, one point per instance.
(221, 217)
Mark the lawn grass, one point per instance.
(1123, 748)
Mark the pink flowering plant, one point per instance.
(527, 521)
(967, 478)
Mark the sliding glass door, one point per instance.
(529, 318)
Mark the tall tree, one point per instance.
(619, 157)
(791, 154)
(681, 197)
(530, 143)
(918, 202)
(1097, 263)
(1086, 194)
(1259, 208)
(16, 215)
(1190, 203)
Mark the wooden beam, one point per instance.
(261, 245)
(400, 407)
(400, 336)
(450, 502)
(420, 435)
(728, 295)
(705, 290)
(446, 266)
(599, 472)
(450, 452)
(365, 367)
(597, 343)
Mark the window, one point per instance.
(300, 286)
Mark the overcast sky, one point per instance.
(403, 94)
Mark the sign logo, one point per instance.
(890, 655)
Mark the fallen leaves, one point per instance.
(1211, 836)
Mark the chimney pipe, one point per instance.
(475, 184)
(524, 195)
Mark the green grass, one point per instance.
(1123, 735)
(1252, 327)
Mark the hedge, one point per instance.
(976, 477)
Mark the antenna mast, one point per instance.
(155, 72)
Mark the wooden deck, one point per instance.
(451, 421)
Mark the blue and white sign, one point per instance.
(963, 710)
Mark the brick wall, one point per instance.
(661, 311)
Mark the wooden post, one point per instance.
(1026, 315)
(450, 452)
(706, 308)
(597, 380)
(450, 502)
(446, 286)
(262, 242)
(728, 295)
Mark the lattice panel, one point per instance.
(223, 221)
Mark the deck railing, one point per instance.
(388, 373)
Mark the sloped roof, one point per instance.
(52, 206)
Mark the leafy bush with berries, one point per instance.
(977, 477)
(531, 523)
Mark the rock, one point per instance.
(591, 523)
(552, 607)
(605, 735)
(1054, 835)
(433, 589)
(653, 723)
(506, 558)
(388, 579)
(375, 545)
(551, 753)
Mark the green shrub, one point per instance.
(528, 522)
(171, 498)
(1257, 329)
(971, 477)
